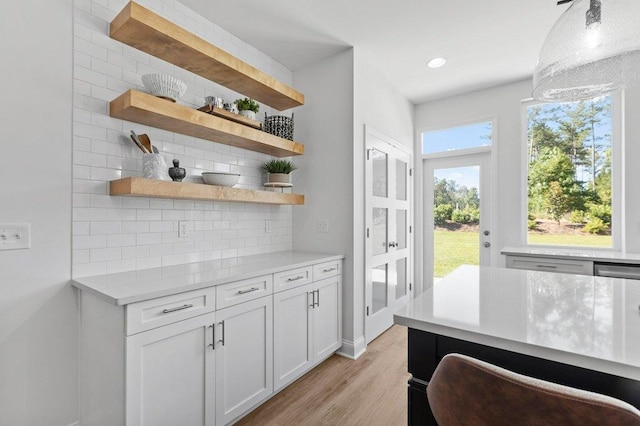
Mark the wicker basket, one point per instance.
(279, 125)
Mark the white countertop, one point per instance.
(129, 287)
(592, 322)
(574, 253)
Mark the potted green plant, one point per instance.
(247, 107)
(279, 170)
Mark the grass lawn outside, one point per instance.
(455, 248)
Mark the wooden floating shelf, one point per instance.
(152, 111)
(140, 187)
(143, 29)
(220, 112)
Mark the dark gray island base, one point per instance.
(427, 349)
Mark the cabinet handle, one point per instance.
(248, 291)
(222, 340)
(329, 270)
(299, 277)
(547, 266)
(179, 308)
(213, 336)
(318, 302)
(313, 298)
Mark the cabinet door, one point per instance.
(244, 357)
(327, 315)
(170, 375)
(292, 328)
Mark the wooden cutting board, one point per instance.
(223, 113)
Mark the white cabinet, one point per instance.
(170, 375)
(536, 263)
(327, 325)
(307, 328)
(244, 357)
(292, 334)
(206, 357)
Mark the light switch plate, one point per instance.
(183, 229)
(15, 236)
(322, 226)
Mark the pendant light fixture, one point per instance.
(593, 49)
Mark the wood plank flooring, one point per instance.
(371, 390)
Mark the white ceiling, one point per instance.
(486, 42)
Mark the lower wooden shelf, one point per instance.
(140, 187)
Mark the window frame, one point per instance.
(617, 204)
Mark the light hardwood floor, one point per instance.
(371, 390)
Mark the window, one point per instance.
(456, 138)
(569, 173)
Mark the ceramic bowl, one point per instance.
(220, 179)
(164, 86)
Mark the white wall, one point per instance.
(38, 328)
(114, 234)
(343, 94)
(631, 171)
(324, 175)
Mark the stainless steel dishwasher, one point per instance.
(617, 270)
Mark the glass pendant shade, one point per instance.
(585, 56)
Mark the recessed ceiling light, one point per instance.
(436, 62)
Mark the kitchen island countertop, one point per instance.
(587, 321)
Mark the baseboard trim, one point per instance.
(352, 350)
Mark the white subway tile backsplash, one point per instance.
(115, 234)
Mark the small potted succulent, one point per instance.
(247, 107)
(279, 170)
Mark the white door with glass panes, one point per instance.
(388, 222)
(457, 210)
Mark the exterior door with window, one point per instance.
(457, 205)
(388, 246)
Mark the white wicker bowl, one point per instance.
(220, 179)
(164, 86)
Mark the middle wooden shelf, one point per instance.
(140, 187)
(156, 112)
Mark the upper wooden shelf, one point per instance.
(140, 187)
(141, 28)
(156, 112)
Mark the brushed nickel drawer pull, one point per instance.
(299, 277)
(329, 270)
(222, 340)
(248, 291)
(213, 336)
(547, 266)
(179, 308)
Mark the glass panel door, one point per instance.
(457, 213)
(387, 245)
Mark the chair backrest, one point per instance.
(469, 392)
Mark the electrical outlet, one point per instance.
(267, 226)
(322, 226)
(183, 229)
(14, 236)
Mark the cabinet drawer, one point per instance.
(154, 313)
(240, 291)
(326, 270)
(582, 267)
(291, 278)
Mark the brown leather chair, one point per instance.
(469, 392)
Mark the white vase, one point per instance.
(154, 166)
(249, 114)
(279, 178)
